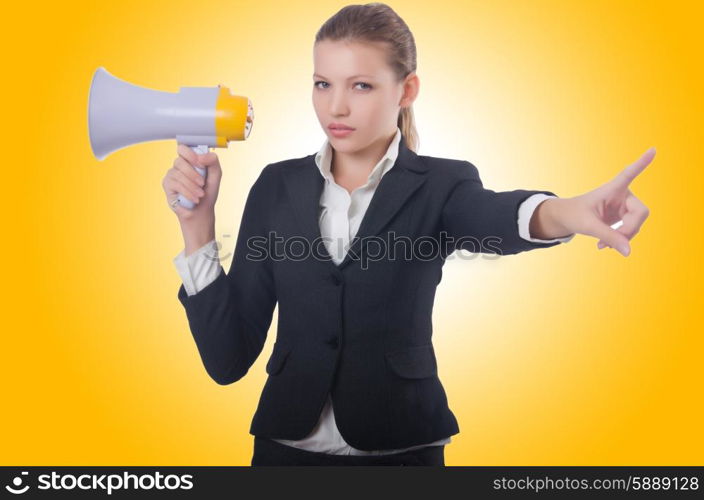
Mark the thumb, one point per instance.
(210, 162)
(208, 159)
(611, 237)
(213, 174)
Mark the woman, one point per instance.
(353, 375)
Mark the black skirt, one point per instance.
(270, 452)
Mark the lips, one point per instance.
(339, 126)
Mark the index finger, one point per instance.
(188, 154)
(626, 176)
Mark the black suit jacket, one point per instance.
(361, 330)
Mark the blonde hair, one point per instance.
(377, 22)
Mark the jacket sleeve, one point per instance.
(480, 220)
(230, 317)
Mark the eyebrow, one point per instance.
(350, 78)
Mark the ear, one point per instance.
(411, 86)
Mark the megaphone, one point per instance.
(121, 114)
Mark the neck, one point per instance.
(359, 164)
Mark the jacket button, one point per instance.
(333, 342)
(335, 279)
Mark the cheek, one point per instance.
(380, 101)
(369, 104)
(376, 110)
(316, 103)
(319, 100)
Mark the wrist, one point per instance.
(546, 222)
(555, 210)
(196, 234)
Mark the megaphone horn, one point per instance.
(121, 114)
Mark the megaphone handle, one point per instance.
(199, 150)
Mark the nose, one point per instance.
(338, 103)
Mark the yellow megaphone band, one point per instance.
(231, 117)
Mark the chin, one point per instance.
(342, 143)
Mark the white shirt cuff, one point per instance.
(200, 268)
(525, 212)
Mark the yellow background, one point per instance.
(563, 356)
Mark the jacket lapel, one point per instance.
(305, 186)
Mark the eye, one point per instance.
(315, 84)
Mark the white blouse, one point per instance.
(339, 216)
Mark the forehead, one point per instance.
(340, 59)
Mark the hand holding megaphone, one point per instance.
(184, 182)
(121, 114)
